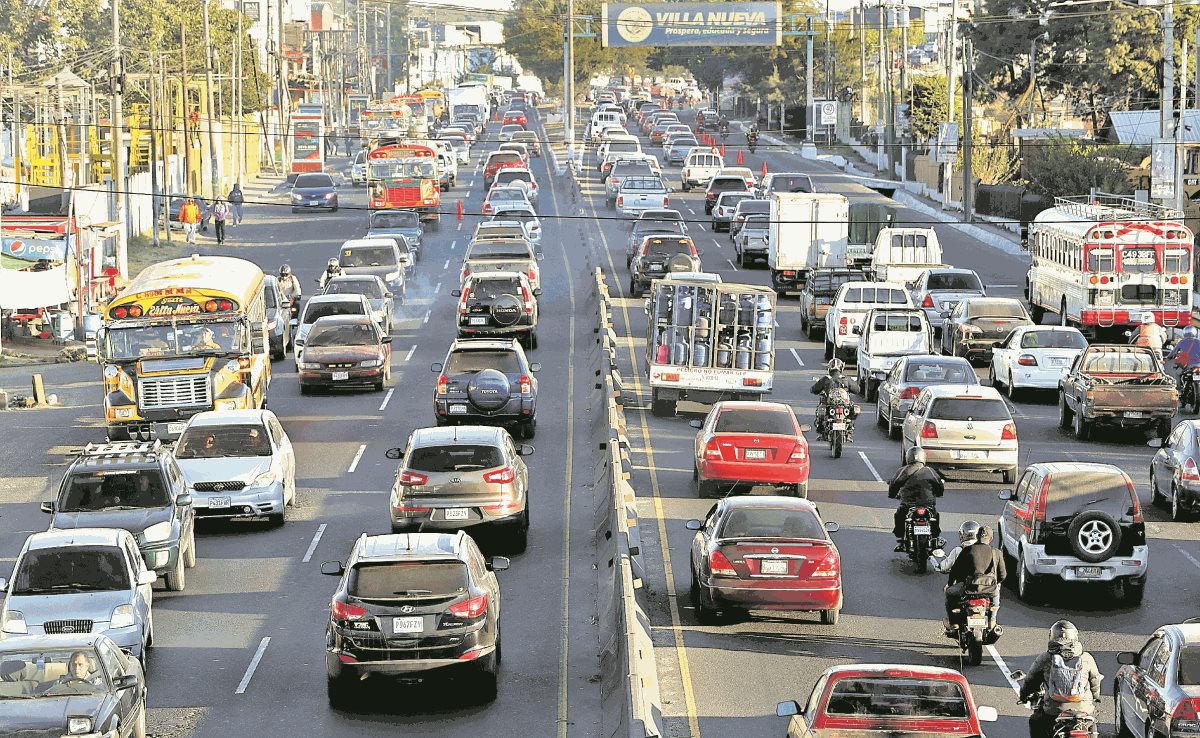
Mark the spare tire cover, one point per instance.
(488, 390)
(1094, 536)
(680, 263)
(506, 310)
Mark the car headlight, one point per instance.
(266, 479)
(123, 412)
(226, 405)
(111, 371)
(122, 617)
(302, 366)
(371, 362)
(14, 622)
(158, 532)
(296, 197)
(79, 725)
(329, 195)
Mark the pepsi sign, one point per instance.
(34, 249)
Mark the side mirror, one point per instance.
(788, 709)
(3, 584)
(183, 500)
(537, 292)
(147, 577)
(125, 681)
(525, 450)
(697, 423)
(456, 293)
(832, 527)
(332, 568)
(436, 368)
(498, 563)
(1005, 494)
(805, 427)
(1017, 675)
(394, 453)
(387, 339)
(945, 314)
(693, 525)
(986, 713)
(535, 367)
(998, 344)
(48, 507)
(1158, 443)
(387, 295)
(540, 256)
(1126, 658)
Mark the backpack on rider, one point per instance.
(1068, 682)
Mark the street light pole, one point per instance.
(118, 149)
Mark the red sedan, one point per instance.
(750, 443)
(870, 700)
(764, 553)
(515, 117)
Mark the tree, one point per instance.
(929, 108)
(1059, 167)
(533, 32)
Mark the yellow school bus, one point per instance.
(186, 335)
(435, 102)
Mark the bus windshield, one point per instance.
(404, 169)
(160, 341)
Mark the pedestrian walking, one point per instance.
(331, 144)
(220, 213)
(236, 199)
(189, 216)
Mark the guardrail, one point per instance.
(629, 696)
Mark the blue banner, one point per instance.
(34, 249)
(692, 24)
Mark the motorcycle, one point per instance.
(839, 425)
(969, 624)
(1189, 393)
(724, 133)
(918, 536)
(1069, 723)
(752, 143)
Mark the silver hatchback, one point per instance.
(461, 477)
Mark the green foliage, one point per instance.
(1061, 167)
(928, 105)
(533, 32)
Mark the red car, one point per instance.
(764, 553)
(750, 444)
(498, 160)
(872, 700)
(516, 117)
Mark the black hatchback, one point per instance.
(411, 604)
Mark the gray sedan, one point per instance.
(908, 377)
(383, 306)
(1157, 689)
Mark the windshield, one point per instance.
(400, 580)
(784, 183)
(739, 420)
(643, 184)
(368, 287)
(158, 341)
(895, 698)
(367, 256)
(1005, 309)
(757, 223)
(875, 296)
(827, 283)
(771, 522)
(968, 408)
(401, 219)
(615, 147)
(490, 289)
(939, 372)
(508, 249)
(47, 674)
(727, 183)
(956, 281)
(471, 362)
(315, 310)
(508, 177)
(269, 299)
(1054, 339)
(114, 490)
(522, 215)
(73, 569)
(466, 457)
(424, 168)
(221, 441)
(1119, 362)
(684, 142)
(1074, 492)
(313, 180)
(631, 168)
(1189, 665)
(668, 247)
(356, 334)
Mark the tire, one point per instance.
(741, 259)
(836, 439)
(828, 349)
(1123, 730)
(1156, 497)
(278, 519)
(1037, 313)
(527, 429)
(703, 614)
(1081, 428)
(190, 560)
(992, 377)
(305, 389)
(1094, 536)
(1011, 388)
(974, 652)
(338, 690)
(520, 539)
(830, 617)
(662, 408)
(488, 676)
(1028, 585)
(1063, 320)
(1064, 412)
(277, 355)
(1135, 592)
(1178, 514)
(921, 555)
(633, 288)
(1008, 476)
(1164, 428)
(176, 578)
(880, 421)
(800, 490)
(871, 391)
(893, 431)
(139, 727)
(704, 489)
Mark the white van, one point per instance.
(700, 166)
(850, 304)
(903, 254)
(619, 144)
(605, 116)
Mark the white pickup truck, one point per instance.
(851, 303)
(886, 335)
(902, 254)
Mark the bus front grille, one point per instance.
(193, 390)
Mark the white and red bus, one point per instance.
(404, 175)
(1102, 262)
(308, 142)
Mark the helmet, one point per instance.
(1063, 634)
(332, 264)
(1147, 318)
(285, 271)
(836, 366)
(1190, 332)
(915, 455)
(968, 532)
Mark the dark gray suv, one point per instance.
(487, 381)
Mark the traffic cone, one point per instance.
(740, 162)
(460, 213)
(722, 151)
(764, 169)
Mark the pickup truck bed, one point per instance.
(1124, 386)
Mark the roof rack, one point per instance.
(1107, 206)
(123, 448)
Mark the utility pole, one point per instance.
(168, 135)
(209, 82)
(810, 126)
(238, 132)
(391, 57)
(828, 53)
(284, 96)
(118, 148)
(1179, 126)
(880, 127)
(862, 61)
(951, 68)
(569, 76)
(1168, 54)
(968, 93)
(188, 188)
(155, 192)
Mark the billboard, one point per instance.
(691, 24)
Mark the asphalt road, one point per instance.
(254, 583)
(726, 680)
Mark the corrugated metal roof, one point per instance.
(1141, 127)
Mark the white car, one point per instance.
(502, 197)
(238, 464)
(358, 170)
(320, 306)
(850, 303)
(518, 177)
(962, 427)
(1034, 357)
(528, 219)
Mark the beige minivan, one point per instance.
(700, 166)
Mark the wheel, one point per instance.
(920, 555)
(893, 430)
(1062, 314)
(633, 288)
(1123, 730)
(974, 652)
(704, 489)
(139, 727)
(1008, 476)
(800, 490)
(880, 421)
(1036, 312)
(1011, 388)
(1177, 511)
(1081, 427)
(1164, 428)
(338, 690)
(871, 390)
(1094, 536)
(1155, 496)
(1064, 412)
(176, 578)
(828, 349)
(277, 355)
(533, 342)
(835, 443)
(190, 560)
(704, 614)
(741, 259)
(830, 617)
(992, 376)
(279, 518)
(527, 429)
(305, 389)
(520, 540)
(488, 675)
(1135, 592)
(662, 408)
(1028, 588)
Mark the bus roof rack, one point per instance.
(1107, 206)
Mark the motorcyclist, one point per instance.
(332, 269)
(289, 285)
(915, 484)
(978, 570)
(723, 125)
(968, 534)
(822, 386)
(1062, 651)
(1186, 354)
(1150, 333)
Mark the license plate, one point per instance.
(1135, 414)
(976, 621)
(339, 376)
(408, 625)
(1058, 361)
(458, 409)
(755, 453)
(838, 426)
(774, 566)
(922, 530)
(655, 265)
(174, 428)
(478, 321)
(218, 502)
(456, 513)
(1087, 572)
(969, 454)
(949, 305)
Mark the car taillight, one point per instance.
(1189, 473)
(745, 240)
(928, 301)
(666, 201)
(470, 609)
(528, 300)
(501, 476)
(462, 305)
(828, 565)
(1039, 507)
(720, 566)
(1186, 716)
(1135, 508)
(408, 509)
(620, 201)
(799, 454)
(1009, 433)
(1027, 360)
(526, 384)
(346, 611)
(929, 430)
(909, 393)
(411, 478)
(443, 384)
(487, 208)
(532, 274)
(712, 450)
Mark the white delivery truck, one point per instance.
(708, 341)
(808, 231)
(468, 101)
(901, 254)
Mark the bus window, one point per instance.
(1101, 260)
(1175, 261)
(1138, 293)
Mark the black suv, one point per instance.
(498, 304)
(1075, 522)
(136, 486)
(413, 603)
(487, 381)
(659, 255)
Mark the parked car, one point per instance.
(974, 326)
(70, 684)
(412, 604)
(471, 477)
(487, 381)
(1075, 522)
(938, 291)
(962, 426)
(238, 463)
(911, 374)
(764, 553)
(382, 302)
(1034, 357)
(137, 487)
(314, 191)
(498, 304)
(1157, 690)
(749, 444)
(80, 581)
(1174, 475)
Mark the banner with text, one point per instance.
(692, 24)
